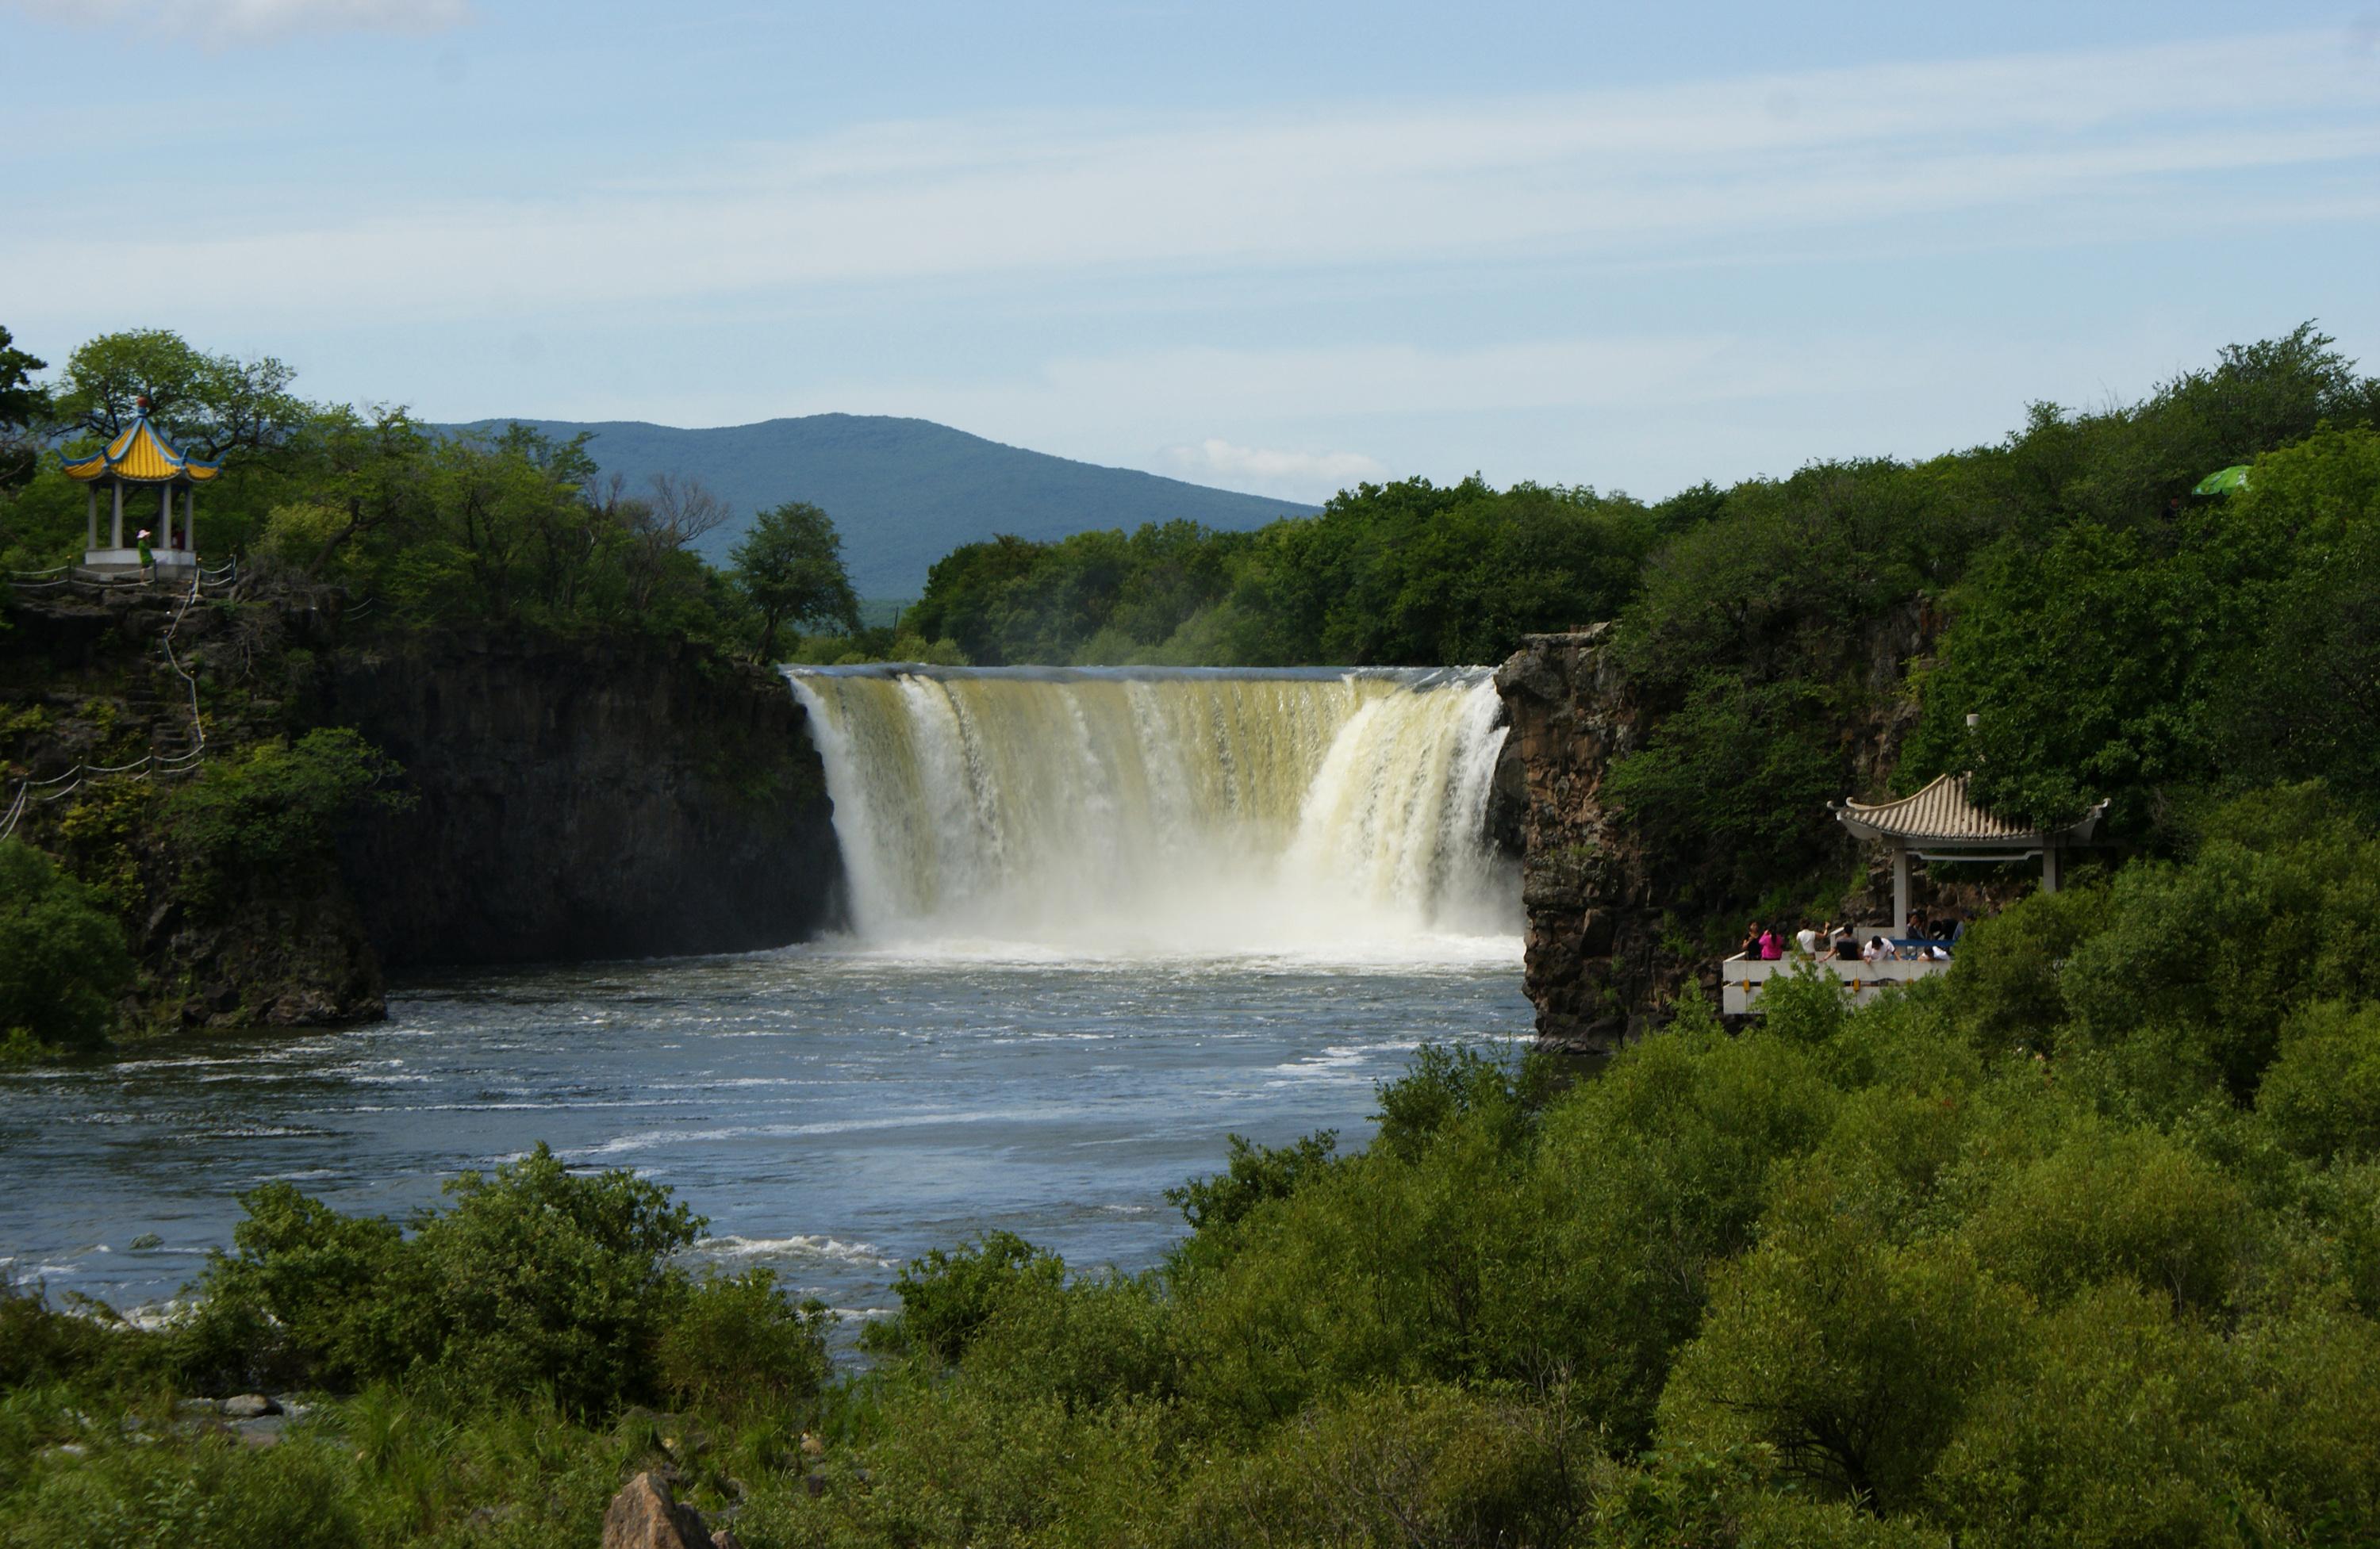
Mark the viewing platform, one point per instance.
(1742, 979)
(1940, 823)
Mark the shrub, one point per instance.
(63, 961)
(310, 1298)
(947, 1297)
(2111, 1432)
(279, 803)
(533, 1281)
(1251, 1175)
(1393, 1467)
(2007, 976)
(2322, 1095)
(2112, 1203)
(736, 1347)
(1854, 1358)
(39, 1343)
(1445, 1083)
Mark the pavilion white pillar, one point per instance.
(92, 491)
(190, 522)
(1900, 890)
(2049, 868)
(165, 518)
(116, 522)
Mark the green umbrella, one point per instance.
(2222, 482)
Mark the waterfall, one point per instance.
(1149, 812)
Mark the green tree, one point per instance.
(208, 403)
(790, 565)
(24, 407)
(279, 803)
(63, 961)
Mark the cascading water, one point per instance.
(1135, 812)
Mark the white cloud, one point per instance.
(254, 21)
(2041, 149)
(1259, 470)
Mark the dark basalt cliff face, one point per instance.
(567, 799)
(575, 801)
(1592, 962)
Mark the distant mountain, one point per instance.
(904, 492)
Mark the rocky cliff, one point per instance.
(565, 799)
(1606, 951)
(1592, 961)
(621, 798)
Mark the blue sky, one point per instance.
(1277, 247)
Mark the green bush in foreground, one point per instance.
(535, 1281)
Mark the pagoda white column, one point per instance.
(165, 518)
(1900, 890)
(190, 523)
(92, 492)
(116, 522)
(2049, 868)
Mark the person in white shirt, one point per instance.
(1807, 940)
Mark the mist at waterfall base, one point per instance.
(1101, 920)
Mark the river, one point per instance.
(1101, 921)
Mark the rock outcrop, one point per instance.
(1592, 961)
(620, 798)
(645, 1516)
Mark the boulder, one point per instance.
(250, 1405)
(644, 1516)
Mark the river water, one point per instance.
(833, 1111)
(1102, 919)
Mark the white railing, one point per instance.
(167, 765)
(211, 577)
(1742, 979)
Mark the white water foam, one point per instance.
(799, 1246)
(1289, 819)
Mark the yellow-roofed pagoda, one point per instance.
(139, 455)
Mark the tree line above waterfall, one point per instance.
(2116, 635)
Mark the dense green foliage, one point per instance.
(278, 804)
(2079, 1244)
(1406, 574)
(63, 961)
(534, 1281)
(2238, 640)
(2118, 637)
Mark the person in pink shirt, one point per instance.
(1772, 945)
